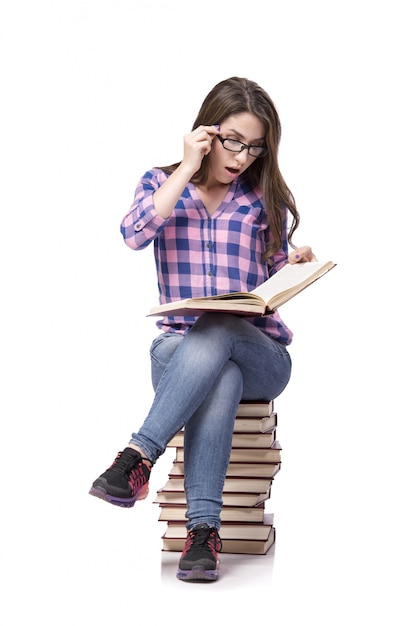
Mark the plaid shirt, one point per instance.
(198, 254)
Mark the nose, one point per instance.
(241, 157)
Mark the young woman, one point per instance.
(220, 221)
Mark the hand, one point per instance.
(197, 145)
(302, 255)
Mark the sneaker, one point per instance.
(199, 560)
(126, 480)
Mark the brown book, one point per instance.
(177, 513)
(236, 485)
(236, 538)
(249, 470)
(259, 408)
(271, 454)
(239, 440)
(229, 546)
(229, 499)
(263, 300)
(255, 424)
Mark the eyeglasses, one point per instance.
(236, 146)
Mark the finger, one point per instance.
(295, 257)
(303, 254)
(307, 254)
(205, 139)
(210, 130)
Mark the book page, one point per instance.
(287, 277)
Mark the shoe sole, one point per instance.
(198, 574)
(126, 503)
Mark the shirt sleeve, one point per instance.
(142, 224)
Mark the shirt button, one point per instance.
(138, 226)
(209, 273)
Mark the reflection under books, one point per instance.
(244, 568)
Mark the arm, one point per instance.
(141, 225)
(197, 144)
(157, 194)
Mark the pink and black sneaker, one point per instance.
(126, 480)
(199, 560)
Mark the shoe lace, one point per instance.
(124, 463)
(206, 538)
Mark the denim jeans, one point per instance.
(199, 380)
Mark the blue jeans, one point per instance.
(199, 380)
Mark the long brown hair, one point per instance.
(240, 95)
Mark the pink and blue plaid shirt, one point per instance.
(198, 254)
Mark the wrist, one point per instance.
(186, 170)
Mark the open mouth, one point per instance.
(232, 170)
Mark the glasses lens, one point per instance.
(257, 151)
(236, 146)
(233, 145)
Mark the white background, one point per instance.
(94, 92)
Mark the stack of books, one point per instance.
(255, 460)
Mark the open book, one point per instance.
(263, 300)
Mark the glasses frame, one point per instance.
(243, 146)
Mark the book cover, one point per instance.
(236, 485)
(271, 454)
(177, 513)
(255, 538)
(239, 440)
(255, 409)
(255, 424)
(248, 470)
(229, 499)
(229, 546)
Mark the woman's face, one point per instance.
(225, 165)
